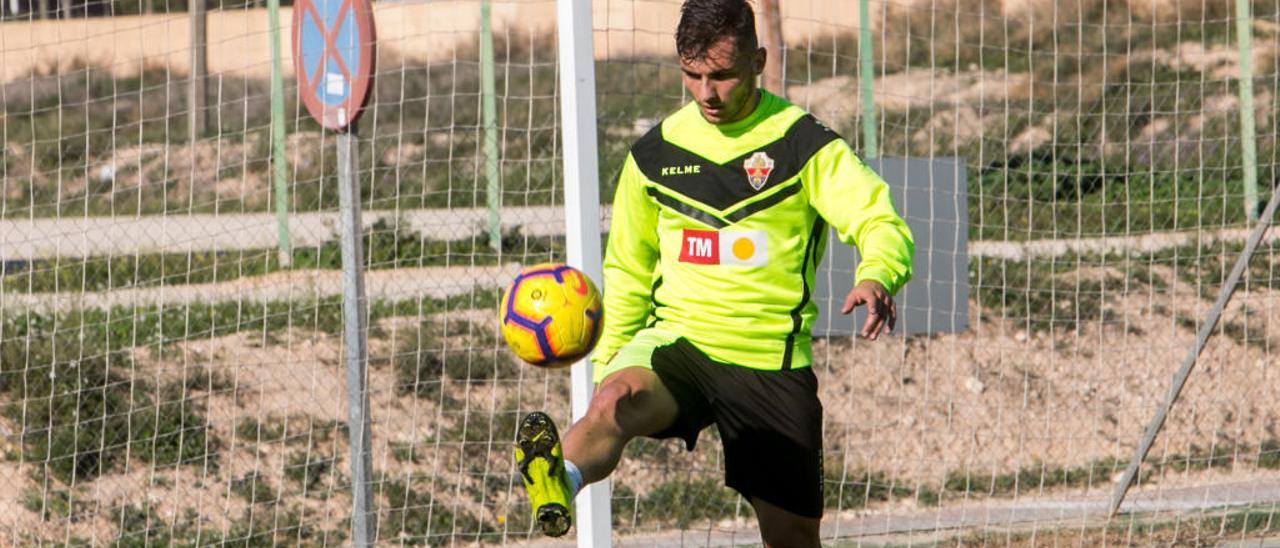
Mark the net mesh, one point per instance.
(167, 375)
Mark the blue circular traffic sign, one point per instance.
(333, 58)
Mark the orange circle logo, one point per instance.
(744, 248)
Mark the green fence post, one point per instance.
(1248, 138)
(490, 113)
(279, 162)
(866, 77)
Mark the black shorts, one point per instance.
(770, 423)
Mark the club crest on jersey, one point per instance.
(758, 167)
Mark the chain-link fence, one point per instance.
(168, 376)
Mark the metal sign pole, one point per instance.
(334, 77)
(355, 348)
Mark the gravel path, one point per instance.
(436, 282)
(22, 240)
(85, 236)
(932, 525)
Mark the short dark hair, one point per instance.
(704, 22)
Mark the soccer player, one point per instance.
(719, 221)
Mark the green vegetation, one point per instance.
(1269, 455)
(57, 504)
(1226, 454)
(453, 350)
(1058, 295)
(1142, 529)
(1247, 521)
(1045, 198)
(253, 488)
(122, 140)
(859, 489)
(68, 381)
(385, 247)
(1042, 295)
(81, 413)
(289, 430)
(1034, 478)
(415, 517)
(86, 142)
(259, 526)
(309, 469)
(120, 328)
(682, 502)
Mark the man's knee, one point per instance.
(606, 401)
(633, 402)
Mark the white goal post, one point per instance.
(581, 216)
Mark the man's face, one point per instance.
(723, 81)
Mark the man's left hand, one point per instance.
(882, 313)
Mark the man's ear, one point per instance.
(762, 55)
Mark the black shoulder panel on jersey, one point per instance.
(720, 186)
(648, 149)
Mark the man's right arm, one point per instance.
(629, 261)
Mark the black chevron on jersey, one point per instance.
(721, 186)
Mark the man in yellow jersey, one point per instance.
(718, 225)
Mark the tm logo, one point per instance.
(726, 247)
(700, 247)
(681, 170)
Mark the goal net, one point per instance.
(171, 345)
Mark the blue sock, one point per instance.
(575, 477)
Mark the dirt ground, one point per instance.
(997, 399)
(992, 400)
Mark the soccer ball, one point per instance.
(551, 315)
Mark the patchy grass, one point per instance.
(682, 502)
(1057, 295)
(55, 504)
(1044, 295)
(415, 517)
(270, 525)
(862, 488)
(438, 352)
(1048, 198)
(1095, 90)
(289, 430)
(1034, 478)
(81, 414)
(121, 328)
(1141, 529)
(309, 469)
(385, 247)
(253, 488)
(69, 388)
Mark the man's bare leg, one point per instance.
(782, 529)
(629, 403)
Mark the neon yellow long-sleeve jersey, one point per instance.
(717, 232)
